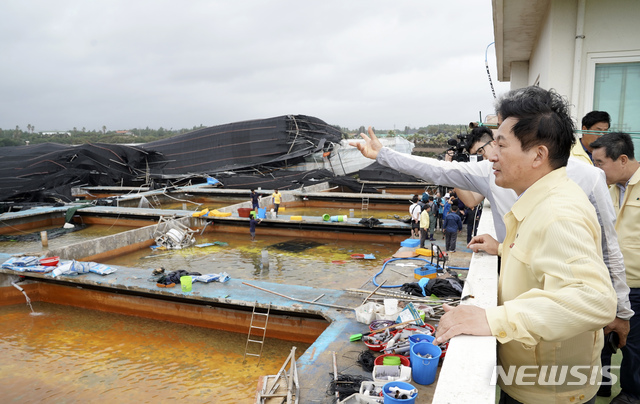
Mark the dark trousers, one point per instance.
(424, 234)
(507, 399)
(630, 366)
(450, 240)
(432, 225)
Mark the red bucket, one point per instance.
(244, 212)
(403, 360)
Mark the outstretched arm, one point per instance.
(469, 198)
(371, 145)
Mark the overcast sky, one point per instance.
(175, 64)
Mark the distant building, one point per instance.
(125, 133)
(587, 50)
(55, 132)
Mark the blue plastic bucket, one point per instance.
(390, 399)
(423, 370)
(415, 338)
(340, 218)
(262, 213)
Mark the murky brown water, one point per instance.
(327, 265)
(88, 233)
(73, 355)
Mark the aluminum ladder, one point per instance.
(365, 206)
(156, 201)
(259, 321)
(289, 391)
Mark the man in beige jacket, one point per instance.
(614, 154)
(554, 292)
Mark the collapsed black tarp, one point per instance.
(47, 172)
(353, 185)
(274, 142)
(378, 172)
(281, 179)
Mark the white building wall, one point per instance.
(612, 35)
(609, 27)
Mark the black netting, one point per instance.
(378, 172)
(275, 141)
(262, 148)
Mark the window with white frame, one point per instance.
(613, 81)
(617, 91)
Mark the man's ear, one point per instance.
(541, 155)
(624, 159)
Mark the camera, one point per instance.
(459, 149)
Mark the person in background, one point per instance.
(554, 291)
(432, 218)
(424, 224)
(473, 217)
(440, 205)
(446, 208)
(414, 211)
(255, 200)
(252, 226)
(425, 196)
(594, 124)
(277, 198)
(614, 154)
(452, 226)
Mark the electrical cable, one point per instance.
(486, 64)
(391, 260)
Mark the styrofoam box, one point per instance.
(386, 373)
(357, 398)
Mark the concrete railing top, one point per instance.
(466, 373)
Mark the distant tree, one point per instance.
(104, 129)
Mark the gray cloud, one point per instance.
(124, 64)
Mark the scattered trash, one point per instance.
(221, 277)
(173, 235)
(158, 271)
(74, 267)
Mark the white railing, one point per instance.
(466, 371)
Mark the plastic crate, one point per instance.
(410, 242)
